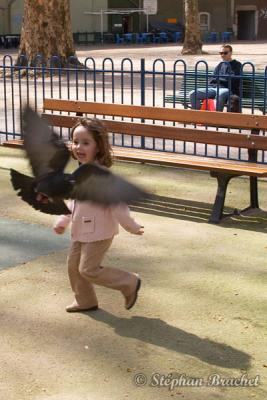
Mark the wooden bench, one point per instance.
(222, 169)
(253, 90)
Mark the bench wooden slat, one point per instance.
(62, 121)
(179, 160)
(12, 143)
(193, 162)
(169, 132)
(233, 120)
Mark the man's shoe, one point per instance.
(76, 308)
(131, 300)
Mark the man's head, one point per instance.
(226, 52)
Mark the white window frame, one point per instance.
(206, 27)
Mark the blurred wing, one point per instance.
(99, 185)
(26, 190)
(46, 152)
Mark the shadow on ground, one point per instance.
(189, 210)
(21, 242)
(157, 332)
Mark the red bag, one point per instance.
(208, 105)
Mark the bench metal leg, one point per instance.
(254, 199)
(223, 180)
(217, 211)
(253, 156)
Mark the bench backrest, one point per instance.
(253, 123)
(220, 119)
(249, 83)
(253, 88)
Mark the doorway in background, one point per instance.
(246, 28)
(121, 23)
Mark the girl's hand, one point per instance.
(59, 230)
(42, 198)
(141, 231)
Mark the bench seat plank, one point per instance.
(190, 161)
(12, 143)
(180, 160)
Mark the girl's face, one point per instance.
(84, 146)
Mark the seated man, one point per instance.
(219, 85)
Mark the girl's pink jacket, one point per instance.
(91, 222)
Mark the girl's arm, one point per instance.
(122, 215)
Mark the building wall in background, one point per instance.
(80, 21)
(248, 13)
(219, 14)
(223, 15)
(87, 23)
(2, 30)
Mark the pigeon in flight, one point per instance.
(49, 186)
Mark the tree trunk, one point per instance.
(192, 40)
(46, 31)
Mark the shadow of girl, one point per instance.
(159, 333)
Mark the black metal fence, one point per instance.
(126, 82)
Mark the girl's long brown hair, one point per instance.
(100, 135)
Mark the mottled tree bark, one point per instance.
(192, 40)
(46, 31)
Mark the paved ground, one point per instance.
(201, 309)
(255, 52)
(33, 242)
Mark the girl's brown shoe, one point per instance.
(74, 307)
(131, 300)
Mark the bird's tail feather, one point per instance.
(21, 181)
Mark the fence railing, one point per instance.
(126, 82)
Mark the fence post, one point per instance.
(143, 90)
